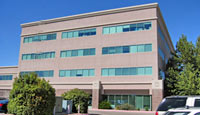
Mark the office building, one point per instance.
(117, 55)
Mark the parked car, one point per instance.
(3, 105)
(177, 102)
(183, 111)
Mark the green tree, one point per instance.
(78, 97)
(31, 95)
(182, 72)
(188, 83)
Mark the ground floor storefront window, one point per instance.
(141, 102)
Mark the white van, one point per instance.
(177, 102)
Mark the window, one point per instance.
(118, 71)
(46, 73)
(62, 73)
(105, 51)
(86, 52)
(148, 47)
(141, 48)
(138, 101)
(111, 72)
(160, 52)
(148, 71)
(140, 26)
(133, 49)
(72, 73)
(79, 33)
(163, 39)
(126, 71)
(77, 73)
(127, 28)
(133, 27)
(104, 72)
(161, 74)
(85, 72)
(91, 72)
(79, 52)
(74, 53)
(169, 103)
(140, 71)
(197, 103)
(119, 29)
(147, 25)
(133, 71)
(43, 55)
(69, 34)
(6, 77)
(69, 53)
(127, 49)
(106, 30)
(112, 30)
(38, 38)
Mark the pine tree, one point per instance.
(182, 72)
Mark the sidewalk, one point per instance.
(119, 112)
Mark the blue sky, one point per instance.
(181, 17)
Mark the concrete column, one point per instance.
(157, 93)
(95, 94)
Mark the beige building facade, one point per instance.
(116, 55)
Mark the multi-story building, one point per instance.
(117, 55)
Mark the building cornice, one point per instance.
(105, 24)
(92, 14)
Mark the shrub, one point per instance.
(78, 97)
(31, 95)
(146, 108)
(105, 105)
(125, 106)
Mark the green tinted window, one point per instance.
(46, 73)
(127, 49)
(141, 102)
(126, 71)
(79, 33)
(79, 52)
(39, 38)
(77, 73)
(43, 55)
(127, 28)
(6, 77)
(104, 72)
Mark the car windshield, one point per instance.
(177, 113)
(169, 103)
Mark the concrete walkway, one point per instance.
(118, 112)
(109, 112)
